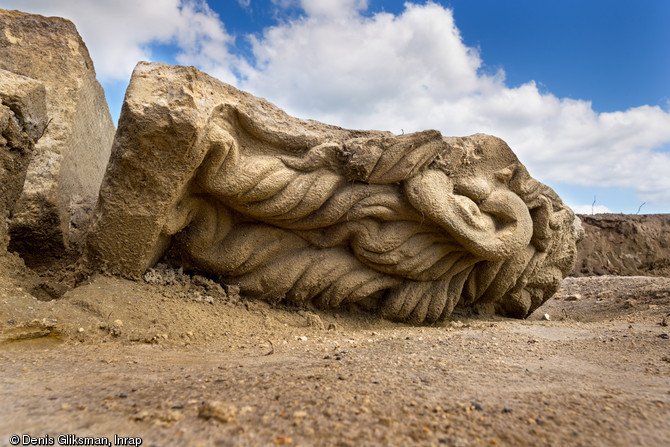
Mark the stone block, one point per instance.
(22, 122)
(71, 156)
(293, 210)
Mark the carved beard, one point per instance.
(410, 225)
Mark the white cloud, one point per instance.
(403, 72)
(356, 69)
(412, 72)
(119, 34)
(203, 41)
(326, 9)
(332, 8)
(588, 209)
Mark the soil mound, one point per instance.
(625, 245)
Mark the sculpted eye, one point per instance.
(410, 226)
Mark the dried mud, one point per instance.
(178, 360)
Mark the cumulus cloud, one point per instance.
(355, 70)
(119, 34)
(412, 71)
(327, 9)
(332, 8)
(407, 72)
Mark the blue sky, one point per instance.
(579, 89)
(614, 53)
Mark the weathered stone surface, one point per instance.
(22, 121)
(624, 245)
(410, 226)
(71, 157)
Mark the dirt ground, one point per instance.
(179, 360)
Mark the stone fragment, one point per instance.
(219, 411)
(30, 330)
(22, 121)
(71, 157)
(294, 210)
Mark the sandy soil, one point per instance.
(624, 245)
(179, 360)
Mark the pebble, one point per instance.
(386, 422)
(300, 414)
(218, 410)
(546, 317)
(115, 330)
(313, 320)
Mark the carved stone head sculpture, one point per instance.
(410, 226)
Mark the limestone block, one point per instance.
(71, 157)
(303, 212)
(22, 122)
